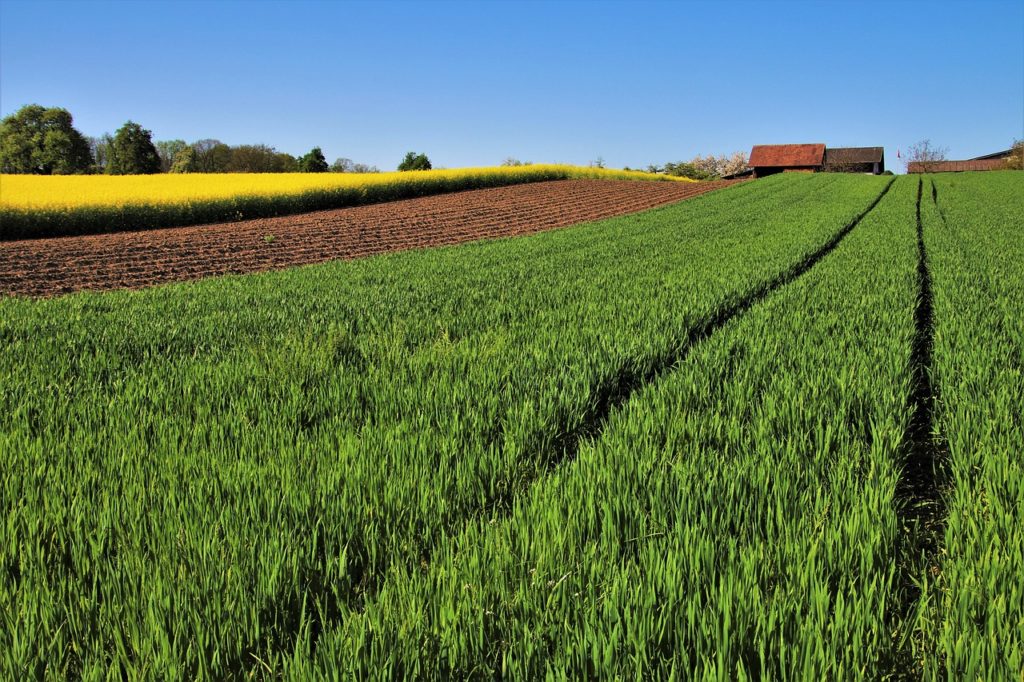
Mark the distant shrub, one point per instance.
(686, 170)
(1016, 159)
(313, 162)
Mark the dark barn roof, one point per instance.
(837, 156)
(786, 155)
(1005, 154)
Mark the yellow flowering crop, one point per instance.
(38, 205)
(70, 191)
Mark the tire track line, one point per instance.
(921, 508)
(609, 397)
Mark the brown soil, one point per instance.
(45, 267)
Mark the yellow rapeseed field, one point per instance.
(48, 192)
(48, 206)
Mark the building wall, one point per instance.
(870, 167)
(763, 171)
(954, 166)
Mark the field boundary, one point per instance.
(129, 260)
(20, 222)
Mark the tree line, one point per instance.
(701, 167)
(43, 141)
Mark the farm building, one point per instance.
(1005, 154)
(996, 161)
(855, 160)
(768, 159)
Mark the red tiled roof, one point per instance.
(788, 155)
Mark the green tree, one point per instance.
(184, 161)
(684, 169)
(98, 147)
(313, 162)
(1015, 161)
(414, 161)
(42, 141)
(211, 156)
(287, 162)
(132, 152)
(255, 158)
(168, 150)
(342, 165)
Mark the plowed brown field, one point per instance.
(43, 267)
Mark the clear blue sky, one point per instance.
(471, 83)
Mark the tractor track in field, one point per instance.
(625, 384)
(921, 508)
(53, 266)
(608, 397)
(622, 386)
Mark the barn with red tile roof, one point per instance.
(768, 159)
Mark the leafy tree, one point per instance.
(343, 165)
(98, 150)
(42, 141)
(288, 163)
(1016, 159)
(185, 161)
(686, 170)
(313, 162)
(256, 158)
(132, 152)
(211, 156)
(512, 161)
(703, 167)
(414, 161)
(167, 150)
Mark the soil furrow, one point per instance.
(45, 267)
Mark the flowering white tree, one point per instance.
(717, 166)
